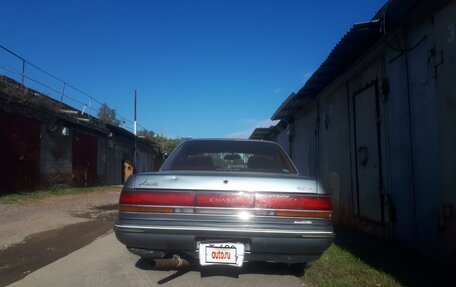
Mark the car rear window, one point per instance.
(229, 155)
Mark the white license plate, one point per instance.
(221, 254)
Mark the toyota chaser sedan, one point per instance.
(225, 202)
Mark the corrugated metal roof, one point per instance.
(268, 133)
(126, 133)
(262, 133)
(357, 40)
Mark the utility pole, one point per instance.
(135, 133)
(134, 124)
(162, 141)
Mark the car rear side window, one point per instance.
(221, 155)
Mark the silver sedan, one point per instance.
(225, 202)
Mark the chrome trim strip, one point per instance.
(222, 208)
(136, 228)
(259, 209)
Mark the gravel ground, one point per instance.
(19, 220)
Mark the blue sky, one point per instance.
(201, 68)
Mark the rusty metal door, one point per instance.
(19, 153)
(84, 159)
(367, 154)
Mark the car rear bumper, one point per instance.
(275, 245)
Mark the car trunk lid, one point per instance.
(251, 182)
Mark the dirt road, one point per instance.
(105, 262)
(68, 241)
(37, 233)
(19, 220)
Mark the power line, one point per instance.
(65, 84)
(44, 85)
(49, 74)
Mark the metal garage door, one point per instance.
(19, 153)
(84, 159)
(367, 156)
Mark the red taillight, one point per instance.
(157, 198)
(225, 199)
(284, 205)
(142, 208)
(292, 202)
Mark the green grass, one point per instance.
(357, 259)
(338, 267)
(39, 194)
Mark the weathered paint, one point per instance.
(101, 159)
(413, 129)
(445, 73)
(304, 142)
(84, 159)
(399, 172)
(145, 161)
(366, 153)
(426, 137)
(282, 140)
(334, 142)
(19, 153)
(55, 156)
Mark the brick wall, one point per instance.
(55, 157)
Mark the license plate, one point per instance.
(221, 254)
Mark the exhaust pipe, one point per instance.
(170, 263)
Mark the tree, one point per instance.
(147, 134)
(108, 115)
(170, 144)
(167, 145)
